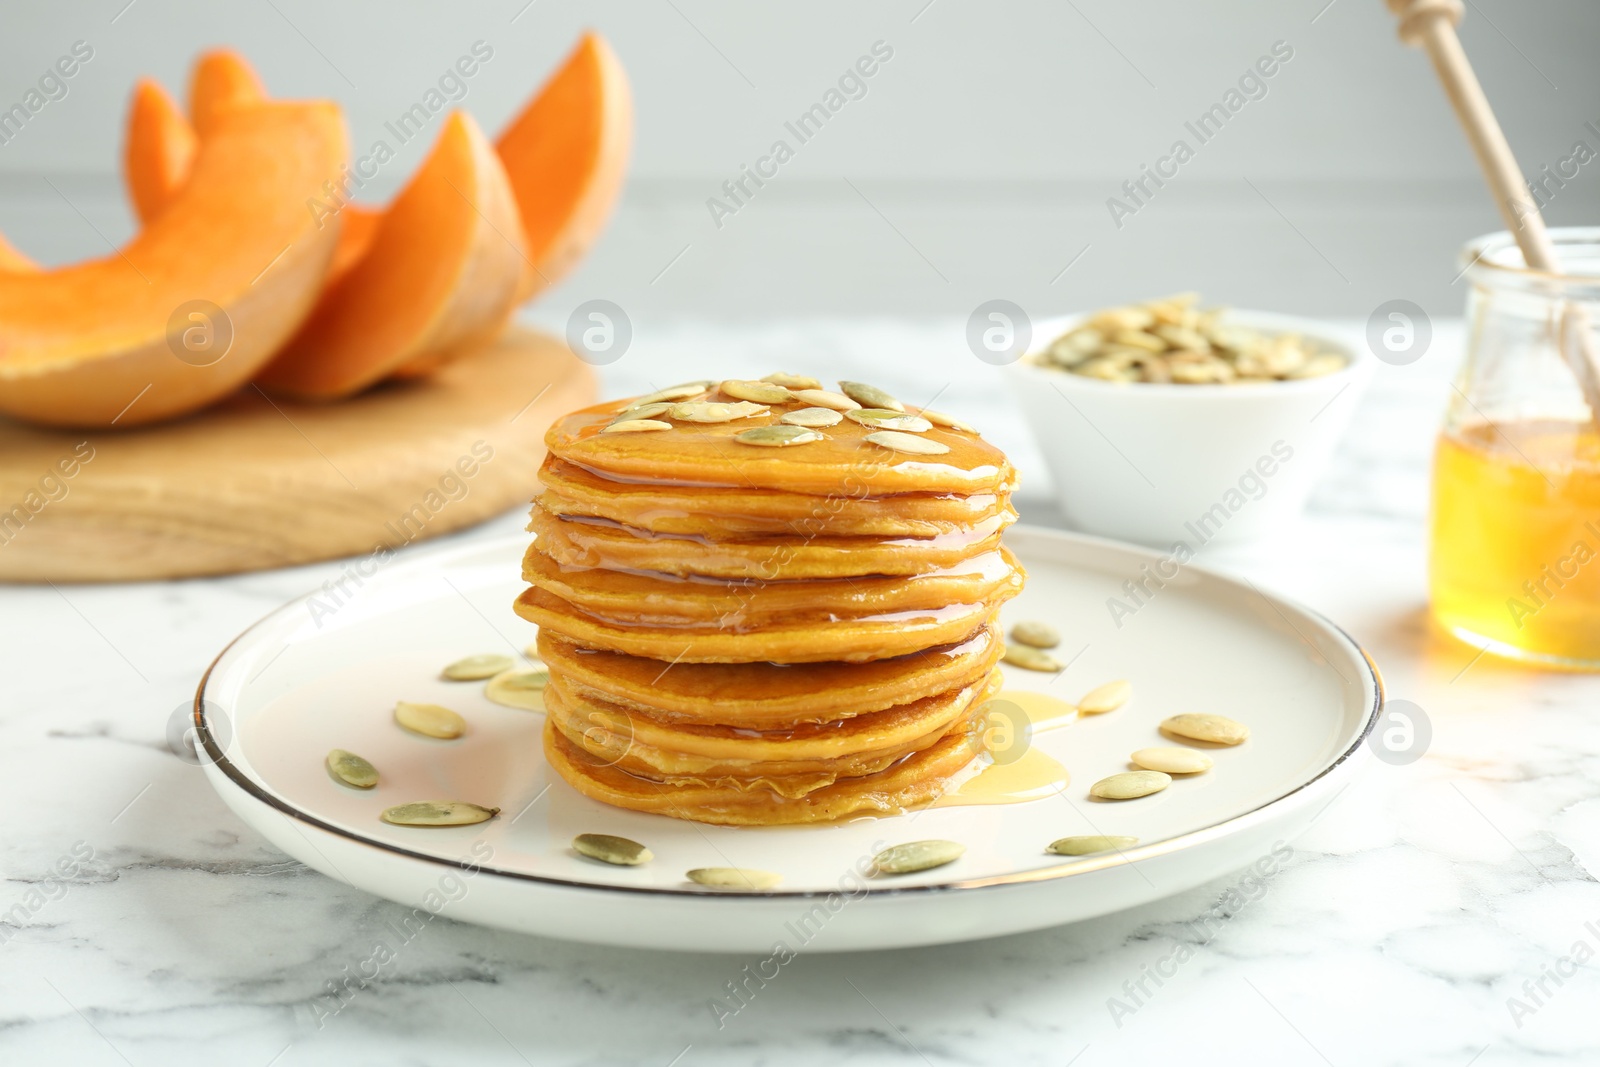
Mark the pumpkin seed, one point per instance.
(1037, 634)
(1104, 698)
(429, 720)
(1172, 760)
(643, 411)
(939, 418)
(476, 668)
(636, 426)
(905, 442)
(1031, 659)
(438, 813)
(733, 878)
(520, 689)
(823, 398)
(778, 436)
(675, 392)
(917, 856)
(1089, 844)
(705, 412)
(762, 392)
(618, 851)
(792, 381)
(1213, 728)
(811, 417)
(884, 419)
(1130, 784)
(870, 396)
(351, 769)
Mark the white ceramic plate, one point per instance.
(325, 671)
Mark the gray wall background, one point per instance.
(976, 166)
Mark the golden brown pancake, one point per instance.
(577, 542)
(767, 696)
(704, 455)
(653, 601)
(912, 783)
(659, 750)
(721, 513)
(853, 640)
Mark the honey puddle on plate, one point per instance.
(1020, 772)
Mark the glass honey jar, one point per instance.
(1514, 566)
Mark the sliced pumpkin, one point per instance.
(222, 80)
(566, 154)
(440, 275)
(359, 225)
(12, 260)
(159, 150)
(89, 345)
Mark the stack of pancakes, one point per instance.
(754, 633)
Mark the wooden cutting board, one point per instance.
(253, 483)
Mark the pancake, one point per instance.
(587, 542)
(720, 512)
(705, 455)
(853, 640)
(651, 748)
(767, 696)
(912, 783)
(659, 601)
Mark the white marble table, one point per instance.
(1408, 919)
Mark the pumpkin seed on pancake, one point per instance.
(950, 422)
(760, 392)
(824, 398)
(778, 436)
(811, 417)
(792, 381)
(886, 419)
(675, 392)
(905, 442)
(870, 396)
(711, 412)
(636, 426)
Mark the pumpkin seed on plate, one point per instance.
(1089, 844)
(476, 668)
(520, 688)
(635, 426)
(885, 419)
(792, 381)
(778, 436)
(1171, 760)
(709, 412)
(1216, 729)
(1130, 784)
(823, 398)
(438, 813)
(733, 878)
(811, 417)
(1031, 659)
(870, 396)
(429, 720)
(761, 392)
(896, 441)
(1104, 698)
(675, 392)
(939, 418)
(917, 856)
(1037, 634)
(618, 851)
(351, 769)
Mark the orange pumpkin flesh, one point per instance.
(222, 80)
(440, 276)
(358, 226)
(87, 345)
(12, 260)
(159, 150)
(566, 154)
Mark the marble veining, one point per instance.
(1444, 913)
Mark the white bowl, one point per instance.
(1190, 465)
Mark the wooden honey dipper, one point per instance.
(1431, 25)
